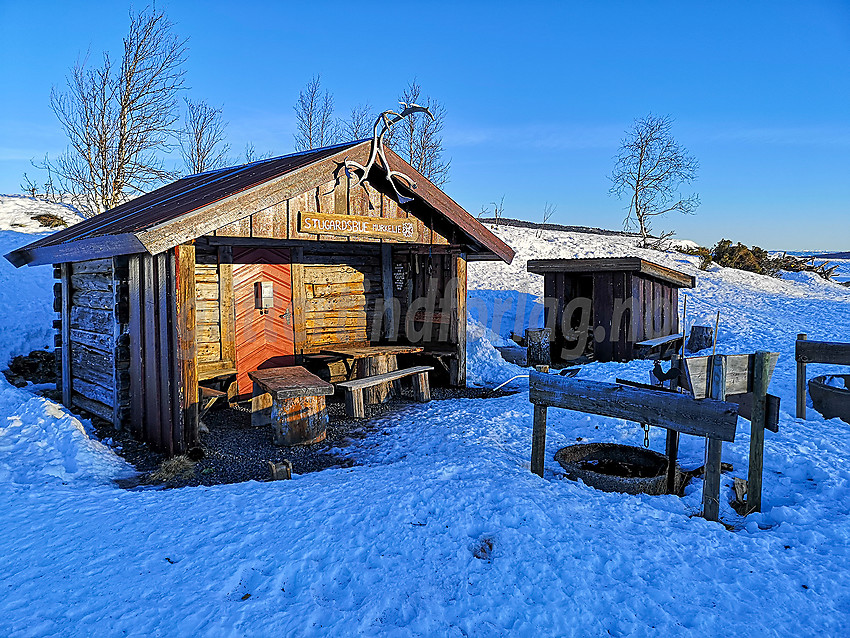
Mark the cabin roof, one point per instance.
(173, 214)
(612, 264)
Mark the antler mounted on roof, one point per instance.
(386, 121)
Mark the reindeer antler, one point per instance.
(387, 119)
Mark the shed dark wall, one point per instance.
(622, 308)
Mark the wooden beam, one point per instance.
(227, 305)
(661, 409)
(745, 407)
(78, 250)
(166, 353)
(538, 439)
(67, 381)
(151, 419)
(672, 443)
(822, 352)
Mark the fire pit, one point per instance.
(831, 396)
(611, 467)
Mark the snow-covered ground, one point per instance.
(441, 530)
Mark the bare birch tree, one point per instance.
(314, 117)
(418, 139)
(359, 124)
(202, 139)
(650, 168)
(119, 118)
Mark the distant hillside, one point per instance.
(521, 223)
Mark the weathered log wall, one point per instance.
(92, 342)
(340, 296)
(215, 329)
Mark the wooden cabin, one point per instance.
(226, 272)
(612, 308)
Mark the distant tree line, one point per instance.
(122, 118)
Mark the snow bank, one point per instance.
(40, 442)
(17, 212)
(26, 302)
(441, 530)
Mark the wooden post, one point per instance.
(421, 387)
(354, 404)
(672, 436)
(714, 447)
(389, 317)
(538, 439)
(186, 394)
(761, 378)
(137, 347)
(67, 387)
(457, 371)
(538, 434)
(801, 383)
(299, 301)
(227, 304)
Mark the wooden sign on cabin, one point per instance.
(356, 226)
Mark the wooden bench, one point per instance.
(658, 348)
(355, 406)
(293, 401)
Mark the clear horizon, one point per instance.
(537, 96)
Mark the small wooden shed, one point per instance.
(611, 304)
(251, 267)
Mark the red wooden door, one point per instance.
(264, 337)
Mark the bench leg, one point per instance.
(354, 405)
(421, 389)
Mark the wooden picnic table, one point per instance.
(367, 361)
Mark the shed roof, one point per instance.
(179, 211)
(612, 264)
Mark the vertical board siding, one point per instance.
(161, 323)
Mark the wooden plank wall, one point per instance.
(340, 295)
(215, 310)
(656, 307)
(93, 305)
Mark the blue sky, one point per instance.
(538, 95)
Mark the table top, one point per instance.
(361, 352)
(290, 382)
